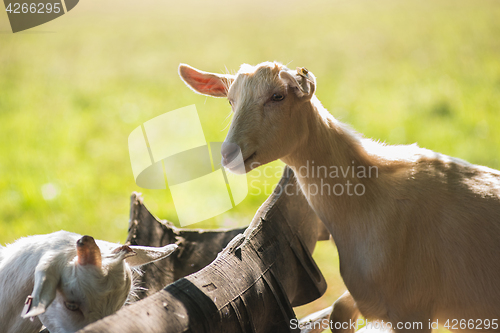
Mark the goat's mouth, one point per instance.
(236, 165)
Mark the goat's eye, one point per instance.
(71, 306)
(230, 103)
(278, 97)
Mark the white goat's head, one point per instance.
(82, 284)
(266, 100)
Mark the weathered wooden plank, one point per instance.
(197, 247)
(250, 287)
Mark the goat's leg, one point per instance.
(345, 313)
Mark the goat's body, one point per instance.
(418, 240)
(423, 241)
(17, 276)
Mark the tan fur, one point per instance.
(422, 243)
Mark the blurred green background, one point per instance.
(72, 90)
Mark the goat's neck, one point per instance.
(328, 143)
(332, 146)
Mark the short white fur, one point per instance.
(47, 268)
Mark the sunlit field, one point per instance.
(72, 90)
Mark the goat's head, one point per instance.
(266, 100)
(68, 295)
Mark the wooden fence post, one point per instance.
(250, 287)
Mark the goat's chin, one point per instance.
(239, 166)
(252, 162)
(252, 165)
(237, 170)
(242, 168)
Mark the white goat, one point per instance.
(418, 234)
(73, 280)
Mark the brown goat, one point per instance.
(418, 232)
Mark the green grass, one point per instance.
(73, 89)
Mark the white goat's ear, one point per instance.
(205, 83)
(88, 252)
(47, 276)
(146, 254)
(302, 80)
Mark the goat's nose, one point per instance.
(229, 152)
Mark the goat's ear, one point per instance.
(146, 254)
(204, 83)
(47, 276)
(303, 81)
(88, 252)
